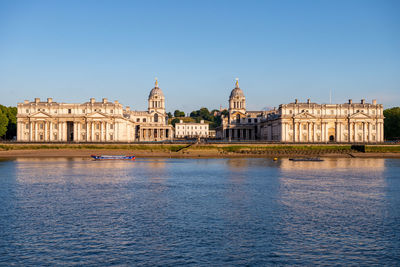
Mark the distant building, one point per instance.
(191, 129)
(240, 124)
(93, 121)
(303, 122)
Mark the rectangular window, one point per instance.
(360, 127)
(111, 126)
(144, 119)
(27, 126)
(69, 111)
(304, 126)
(137, 120)
(111, 137)
(255, 120)
(55, 126)
(97, 126)
(83, 111)
(373, 127)
(112, 111)
(249, 120)
(27, 111)
(41, 126)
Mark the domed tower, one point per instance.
(156, 100)
(237, 101)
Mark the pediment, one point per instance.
(96, 115)
(359, 115)
(40, 114)
(304, 115)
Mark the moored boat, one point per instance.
(112, 157)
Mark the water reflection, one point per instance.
(217, 212)
(331, 207)
(359, 164)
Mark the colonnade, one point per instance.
(240, 133)
(343, 132)
(49, 131)
(154, 134)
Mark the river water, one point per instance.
(200, 212)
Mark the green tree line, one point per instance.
(213, 117)
(392, 123)
(8, 122)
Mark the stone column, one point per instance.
(308, 132)
(106, 125)
(92, 139)
(45, 132)
(350, 132)
(51, 131)
(78, 132)
(314, 133)
(101, 131)
(369, 132)
(364, 132)
(36, 131)
(30, 131)
(294, 132)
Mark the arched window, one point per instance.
(238, 118)
(156, 117)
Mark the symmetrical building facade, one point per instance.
(303, 122)
(93, 121)
(192, 130)
(48, 121)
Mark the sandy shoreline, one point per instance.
(42, 153)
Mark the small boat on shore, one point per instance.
(306, 159)
(112, 157)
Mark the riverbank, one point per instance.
(197, 150)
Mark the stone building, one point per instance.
(303, 122)
(312, 122)
(240, 124)
(48, 121)
(191, 129)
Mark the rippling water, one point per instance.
(219, 212)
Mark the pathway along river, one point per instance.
(199, 212)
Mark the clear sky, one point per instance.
(279, 50)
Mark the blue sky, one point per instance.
(279, 50)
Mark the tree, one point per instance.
(169, 114)
(178, 113)
(174, 121)
(3, 123)
(392, 123)
(225, 112)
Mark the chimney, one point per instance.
(116, 102)
(308, 101)
(350, 101)
(296, 101)
(37, 100)
(26, 101)
(180, 121)
(92, 100)
(362, 101)
(105, 100)
(202, 121)
(374, 102)
(49, 100)
(127, 109)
